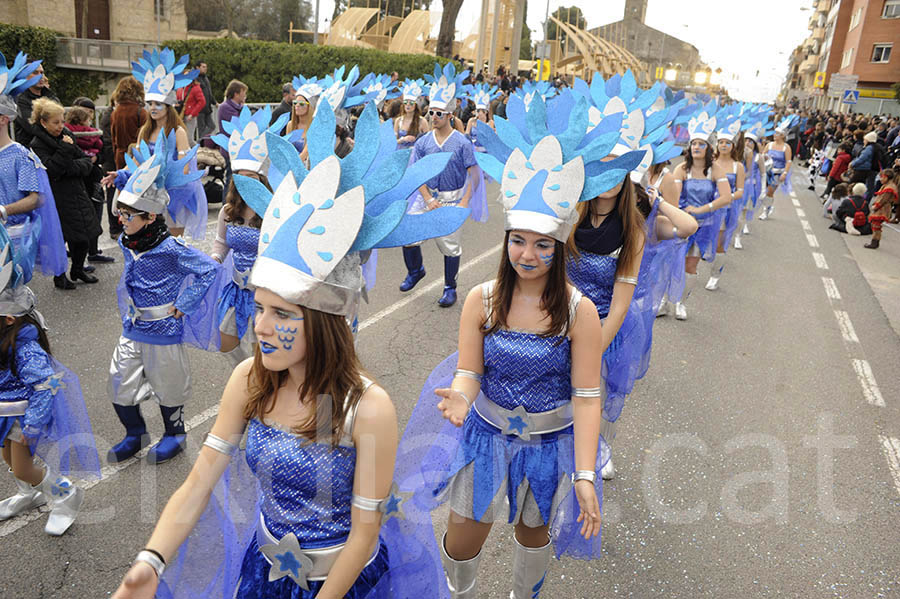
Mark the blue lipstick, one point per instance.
(266, 348)
(527, 267)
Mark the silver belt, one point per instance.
(448, 197)
(16, 231)
(241, 278)
(13, 408)
(302, 564)
(523, 424)
(149, 313)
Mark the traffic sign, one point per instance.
(838, 83)
(819, 81)
(850, 96)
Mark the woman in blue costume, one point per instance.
(42, 411)
(481, 95)
(702, 190)
(316, 515)
(729, 156)
(162, 77)
(410, 124)
(778, 167)
(237, 231)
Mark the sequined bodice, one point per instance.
(306, 487)
(778, 158)
(243, 241)
(697, 192)
(32, 362)
(404, 144)
(525, 369)
(594, 275)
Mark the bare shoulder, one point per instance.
(376, 410)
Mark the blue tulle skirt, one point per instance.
(433, 451)
(752, 190)
(707, 235)
(188, 208)
(732, 220)
(772, 179)
(241, 300)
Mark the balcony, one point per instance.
(98, 55)
(809, 65)
(818, 34)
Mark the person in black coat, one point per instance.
(41, 89)
(67, 167)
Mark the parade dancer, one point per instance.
(161, 77)
(729, 157)
(754, 167)
(460, 184)
(481, 95)
(523, 387)
(380, 89)
(157, 306)
(778, 166)
(410, 125)
(237, 231)
(42, 411)
(313, 418)
(27, 207)
(696, 183)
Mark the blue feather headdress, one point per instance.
(531, 90)
(317, 221)
(161, 75)
(380, 88)
(15, 298)
(546, 162)
(446, 86)
(342, 92)
(246, 140)
(14, 80)
(482, 94)
(153, 174)
(786, 123)
(308, 87)
(413, 89)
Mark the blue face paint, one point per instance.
(266, 348)
(547, 258)
(286, 335)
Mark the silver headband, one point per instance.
(544, 224)
(338, 294)
(20, 302)
(154, 200)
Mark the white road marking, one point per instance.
(795, 202)
(794, 195)
(847, 331)
(831, 289)
(867, 380)
(805, 225)
(820, 260)
(891, 446)
(801, 213)
(812, 241)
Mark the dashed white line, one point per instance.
(891, 446)
(801, 213)
(820, 260)
(847, 331)
(795, 202)
(812, 241)
(805, 225)
(867, 380)
(831, 289)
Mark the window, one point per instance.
(159, 7)
(845, 61)
(881, 53)
(891, 9)
(854, 20)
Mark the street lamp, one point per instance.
(671, 74)
(700, 77)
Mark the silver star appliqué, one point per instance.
(288, 560)
(519, 424)
(392, 505)
(54, 384)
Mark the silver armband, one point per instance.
(365, 503)
(220, 445)
(629, 280)
(468, 374)
(3, 214)
(589, 475)
(587, 391)
(148, 557)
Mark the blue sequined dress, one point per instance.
(733, 211)
(234, 313)
(753, 188)
(474, 467)
(779, 161)
(700, 192)
(43, 399)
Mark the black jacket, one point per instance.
(849, 207)
(284, 107)
(24, 129)
(67, 168)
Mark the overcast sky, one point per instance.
(740, 37)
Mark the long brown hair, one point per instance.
(8, 334)
(414, 122)
(173, 121)
(235, 204)
(128, 89)
(707, 159)
(333, 378)
(632, 226)
(554, 299)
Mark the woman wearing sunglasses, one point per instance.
(410, 124)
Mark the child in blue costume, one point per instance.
(162, 293)
(27, 207)
(702, 189)
(161, 77)
(730, 156)
(778, 166)
(42, 410)
(460, 184)
(316, 514)
(522, 397)
(237, 232)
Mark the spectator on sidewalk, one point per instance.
(127, 118)
(287, 99)
(838, 168)
(852, 216)
(840, 191)
(235, 96)
(206, 124)
(23, 126)
(192, 102)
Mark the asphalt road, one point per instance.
(754, 460)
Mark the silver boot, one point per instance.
(64, 499)
(529, 570)
(26, 499)
(462, 576)
(608, 432)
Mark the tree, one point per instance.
(571, 14)
(260, 19)
(525, 48)
(448, 28)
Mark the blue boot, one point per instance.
(412, 257)
(173, 440)
(135, 434)
(451, 268)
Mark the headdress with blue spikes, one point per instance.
(343, 92)
(759, 131)
(728, 127)
(317, 221)
(548, 162)
(152, 174)
(161, 75)
(530, 90)
(446, 86)
(14, 80)
(246, 141)
(482, 94)
(786, 123)
(701, 126)
(380, 88)
(413, 89)
(308, 87)
(15, 298)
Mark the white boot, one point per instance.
(529, 570)
(608, 472)
(64, 499)
(663, 308)
(718, 266)
(737, 242)
(680, 311)
(746, 230)
(462, 576)
(26, 499)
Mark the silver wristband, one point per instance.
(3, 213)
(465, 397)
(468, 374)
(588, 475)
(153, 560)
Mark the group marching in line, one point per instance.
(601, 233)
